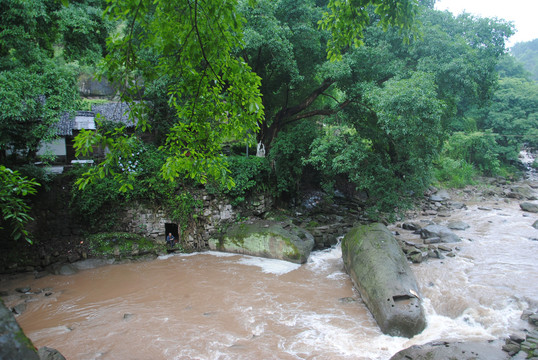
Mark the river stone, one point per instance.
(535, 225)
(381, 274)
(523, 192)
(528, 206)
(458, 225)
(14, 345)
(92, 263)
(413, 226)
(268, 239)
(440, 196)
(63, 269)
(46, 353)
(445, 234)
(442, 350)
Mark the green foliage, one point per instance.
(390, 159)
(250, 174)
(454, 173)
(513, 114)
(108, 244)
(101, 199)
(86, 104)
(98, 205)
(36, 88)
(477, 148)
(287, 154)
(213, 93)
(347, 20)
(527, 54)
(183, 208)
(83, 30)
(13, 189)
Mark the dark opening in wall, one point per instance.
(170, 228)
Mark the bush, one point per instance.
(478, 148)
(287, 153)
(454, 173)
(249, 174)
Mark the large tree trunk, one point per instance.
(288, 115)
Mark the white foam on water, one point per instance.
(164, 257)
(324, 259)
(269, 266)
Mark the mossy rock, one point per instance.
(14, 345)
(269, 239)
(381, 274)
(121, 245)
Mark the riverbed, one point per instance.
(221, 306)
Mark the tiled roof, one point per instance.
(115, 112)
(66, 124)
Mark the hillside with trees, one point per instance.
(527, 54)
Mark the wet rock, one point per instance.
(381, 274)
(444, 248)
(442, 350)
(529, 207)
(484, 208)
(347, 300)
(522, 192)
(458, 205)
(46, 353)
(511, 348)
(440, 196)
(14, 345)
(416, 257)
(432, 240)
(517, 338)
(19, 308)
(535, 225)
(458, 225)
(40, 274)
(63, 269)
(413, 226)
(445, 234)
(92, 263)
(268, 239)
(23, 290)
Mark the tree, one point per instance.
(215, 95)
(527, 54)
(14, 209)
(36, 88)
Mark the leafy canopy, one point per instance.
(215, 95)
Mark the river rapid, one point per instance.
(222, 306)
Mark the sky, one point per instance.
(523, 13)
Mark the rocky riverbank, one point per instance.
(426, 234)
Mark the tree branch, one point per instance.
(289, 112)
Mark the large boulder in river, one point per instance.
(529, 206)
(442, 350)
(14, 345)
(381, 274)
(444, 234)
(522, 192)
(268, 239)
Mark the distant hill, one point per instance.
(527, 53)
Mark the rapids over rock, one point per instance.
(213, 305)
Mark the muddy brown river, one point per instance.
(222, 306)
